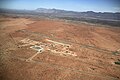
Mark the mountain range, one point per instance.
(88, 16)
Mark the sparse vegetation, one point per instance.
(118, 63)
(76, 49)
(116, 53)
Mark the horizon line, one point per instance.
(64, 10)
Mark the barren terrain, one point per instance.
(48, 49)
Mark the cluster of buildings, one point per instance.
(49, 45)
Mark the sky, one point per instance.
(71, 5)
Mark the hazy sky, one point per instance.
(74, 5)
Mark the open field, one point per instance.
(49, 49)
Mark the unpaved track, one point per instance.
(56, 66)
(93, 45)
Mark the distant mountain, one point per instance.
(44, 10)
(89, 16)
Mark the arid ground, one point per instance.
(92, 54)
